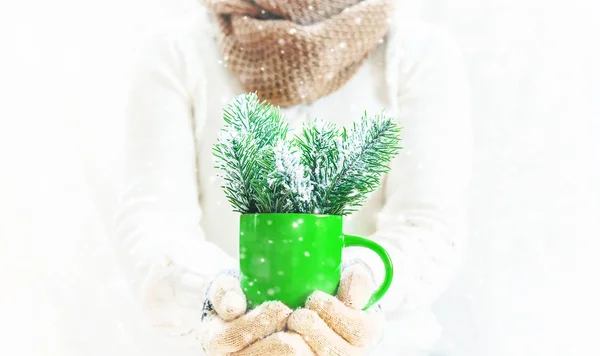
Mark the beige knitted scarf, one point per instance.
(295, 52)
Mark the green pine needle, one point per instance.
(370, 146)
(325, 169)
(251, 126)
(322, 154)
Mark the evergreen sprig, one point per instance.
(251, 126)
(322, 154)
(369, 147)
(289, 185)
(325, 169)
(234, 155)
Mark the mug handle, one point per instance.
(352, 241)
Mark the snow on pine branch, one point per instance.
(325, 169)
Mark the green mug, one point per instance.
(286, 257)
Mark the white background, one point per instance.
(529, 284)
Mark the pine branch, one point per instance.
(321, 144)
(324, 170)
(251, 127)
(289, 185)
(264, 122)
(370, 146)
(234, 155)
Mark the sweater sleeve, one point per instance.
(159, 241)
(423, 220)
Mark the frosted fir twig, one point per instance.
(321, 144)
(368, 149)
(251, 126)
(233, 155)
(325, 169)
(290, 178)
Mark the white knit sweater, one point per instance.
(175, 229)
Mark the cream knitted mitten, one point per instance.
(337, 326)
(326, 326)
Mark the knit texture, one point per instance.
(327, 325)
(295, 52)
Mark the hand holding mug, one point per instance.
(338, 326)
(294, 261)
(229, 330)
(327, 326)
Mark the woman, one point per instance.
(331, 59)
